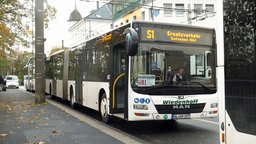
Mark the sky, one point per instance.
(58, 29)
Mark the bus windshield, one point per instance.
(163, 68)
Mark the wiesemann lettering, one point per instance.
(177, 102)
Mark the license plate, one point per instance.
(182, 116)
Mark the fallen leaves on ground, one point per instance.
(6, 106)
(56, 131)
(31, 121)
(41, 142)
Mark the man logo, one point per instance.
(181, 106)
(181, 97)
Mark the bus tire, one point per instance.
(72, 98)
(50, 91)
(104, 109)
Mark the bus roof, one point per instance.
(185, 26)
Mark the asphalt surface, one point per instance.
(24, 122)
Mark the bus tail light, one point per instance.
(222, 137)
(141, 114)
(213, 112)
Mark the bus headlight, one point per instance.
(140, 107)
(214, 105)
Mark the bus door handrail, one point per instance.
(114, 86)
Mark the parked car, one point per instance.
(12, 81)
(2, 84)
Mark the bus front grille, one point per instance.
(180, 109)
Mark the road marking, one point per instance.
(115, 133)
(207, 121)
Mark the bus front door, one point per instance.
(118, 82)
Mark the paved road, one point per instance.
(24, 122)
(179, 132)
(201, 131)
(152, 132)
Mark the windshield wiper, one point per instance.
(176, 86)
(160, 86)
(203, 86)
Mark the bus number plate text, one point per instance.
(182, 116)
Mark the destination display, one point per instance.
(176, 35)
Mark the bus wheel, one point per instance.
(72, 98)
(72, 103)
(104, 109)
(50, 90)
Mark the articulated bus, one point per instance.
(128, 72)
(238, 107)
(29, 79)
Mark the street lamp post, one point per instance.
(152, 10)
(39, 52)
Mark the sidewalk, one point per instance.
(24, 122)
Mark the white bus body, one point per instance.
(125, 73)
(238, 104)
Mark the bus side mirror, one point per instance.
(131, 39)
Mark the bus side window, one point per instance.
(169, 77)
(158, 74)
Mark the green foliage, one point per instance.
(11, 14)
(49, 13)
(13, 32)
(56, 49)
(239, 40)
(19, 63)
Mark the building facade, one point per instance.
(120, 12)
(96, 23)
(195, 12)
